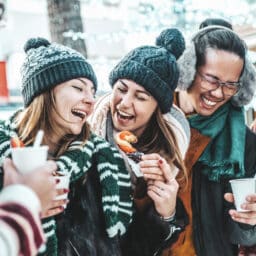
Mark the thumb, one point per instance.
(229, 197)
(10, 174)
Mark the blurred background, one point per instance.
(105, 30)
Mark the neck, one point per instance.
(52, 141)
(184, 103)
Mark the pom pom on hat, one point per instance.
(154, 67)
(47, 65)
(34, 43)
(172, 40)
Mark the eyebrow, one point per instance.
(84, 82)
(140, 91)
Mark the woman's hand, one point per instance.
(244, 217)
(149, 166)
(57, 206)
(40, 180)
(162, 186)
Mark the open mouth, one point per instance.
(79, 113)
(123, 115)
(210, 103)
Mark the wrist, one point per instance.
(169, 218)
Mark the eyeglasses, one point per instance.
(211, 84)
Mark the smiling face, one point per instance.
(221, 65)
(74, 101)
(131, 106)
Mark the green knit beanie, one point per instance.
(47, 65)
(154, 67)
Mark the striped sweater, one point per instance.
(77, 160)
(20, 227)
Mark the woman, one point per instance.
(58, 87)
(143, 84)
(216, 81)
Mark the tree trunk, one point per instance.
(64, 16)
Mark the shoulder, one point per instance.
(178, 122)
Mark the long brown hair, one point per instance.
(40, 115)
(160, 137)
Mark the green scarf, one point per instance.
(77, 160)
(224, 155)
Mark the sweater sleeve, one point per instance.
(20, 227)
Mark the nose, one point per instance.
(89, 98)
(218, 92)
(127, 100)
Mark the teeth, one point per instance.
(210, 103)
(124, 114)
(82, 114)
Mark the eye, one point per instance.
(122, 89)
(142, 97)
(211, 79)
(80, 89)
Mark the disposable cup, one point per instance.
(27, 159)
(242, 188)
(63, 183)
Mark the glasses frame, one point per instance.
(217, 83)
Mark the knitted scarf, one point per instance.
(224, 155)
(114, 178)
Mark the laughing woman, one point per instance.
(141, 102)
(58, 87)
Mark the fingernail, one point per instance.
(57, 181)
(160, 161)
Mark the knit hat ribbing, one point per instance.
(154, 67)
(47, 65)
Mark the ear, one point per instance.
(187, 67)
(248, 85)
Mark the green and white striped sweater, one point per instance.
(114, 178)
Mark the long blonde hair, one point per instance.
(160, 137)
(40, 115)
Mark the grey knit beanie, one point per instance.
(154, 67)
(47, 65)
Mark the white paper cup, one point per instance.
(27, 159)
(64, 183)
(242, 188)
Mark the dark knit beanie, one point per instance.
(47, 65)
(154, 67)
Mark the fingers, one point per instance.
(163, 195)
(56, 207)
(52, 212)
(153, 166)
(243, 217)
(229, 197)
(49, 167)
(167, 173)
(11, 175)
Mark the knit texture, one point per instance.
(224, 155)
(154, 67)
(47, 65)
(77, 160)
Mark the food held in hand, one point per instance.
(124, 140)
(16, 143)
